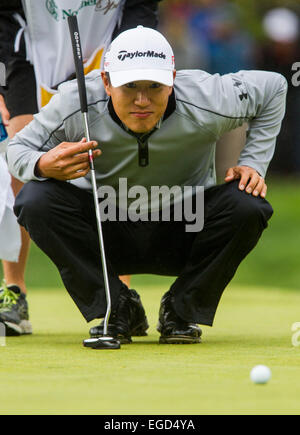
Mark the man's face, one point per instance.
(139, 105)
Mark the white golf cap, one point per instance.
(140, 54)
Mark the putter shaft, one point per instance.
(99, 227)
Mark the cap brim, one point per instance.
(120, 78)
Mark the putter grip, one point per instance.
(78, 61)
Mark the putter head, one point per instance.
(100, 343)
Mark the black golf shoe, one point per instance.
(172, 328)
(129, 319)
(14, 311)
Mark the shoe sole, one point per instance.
(123, 340)
(179, 340)
(14, 330)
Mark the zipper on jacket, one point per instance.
(143, 152)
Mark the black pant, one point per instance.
(60, 218)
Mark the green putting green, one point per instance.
(51, 373)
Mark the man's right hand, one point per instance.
(5, 115)
(67, 161)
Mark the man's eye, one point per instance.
(155, 85)
(130, 85)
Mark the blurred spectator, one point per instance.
(174, 23)
(217, 28)
(279, 53)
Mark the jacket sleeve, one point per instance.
(265, 125)
(135, 12)
(258, 98)
(42, 134)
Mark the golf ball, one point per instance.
(260, 374)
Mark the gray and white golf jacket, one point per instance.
(181, 150)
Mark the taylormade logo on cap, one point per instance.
(124, 54)
(140, 54)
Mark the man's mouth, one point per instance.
(141, 115)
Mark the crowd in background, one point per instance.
(223, 36)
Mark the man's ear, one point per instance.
(106, 83)
(171, 87)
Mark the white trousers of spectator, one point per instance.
(10, 235)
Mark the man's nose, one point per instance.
(142, 99)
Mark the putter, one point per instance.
(105, 342)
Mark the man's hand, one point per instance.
(249, 180)
(5, 115)
(67, 161)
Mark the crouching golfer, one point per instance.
(149, 130)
